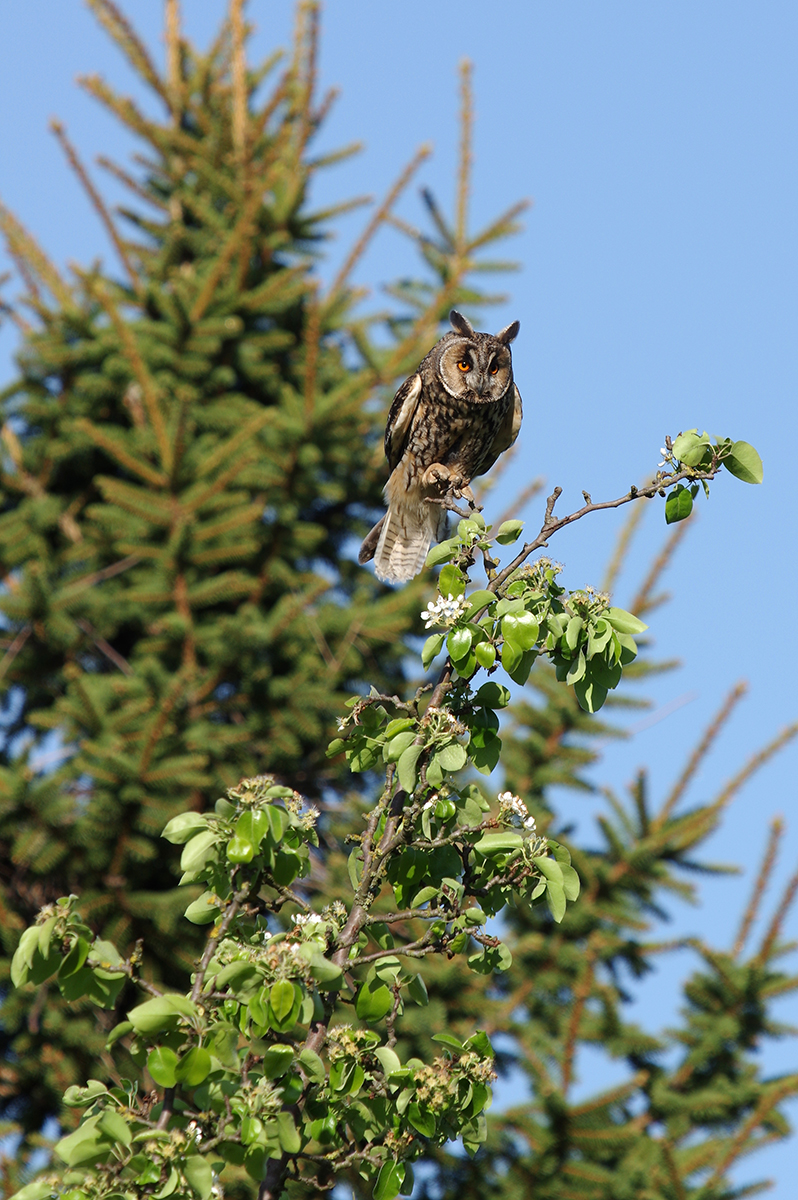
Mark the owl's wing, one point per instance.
(505, 434)
(400, 419)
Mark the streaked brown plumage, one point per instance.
(448, 423)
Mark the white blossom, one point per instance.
(514, 804)
(444, 611)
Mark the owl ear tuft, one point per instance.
(509, 334)
(460, 324)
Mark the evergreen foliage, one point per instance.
(187, 467)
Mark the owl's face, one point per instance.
(477, 367)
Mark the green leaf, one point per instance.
(494, 843)
(374, 1000)
(451, 581)
(417, 990)
(80, 1097)
(199, 1176)
(287, 1132)
(421, 1119)
(573, 631)
(281, 998)
(115, 1127)
(448, 1040)
(354, 867)
(508, 532)
(406, 767)
(492, 695)
(162, 1064)
(389, 1181)
(199, 851)
(204, 909)
(452, 757)
(184, 827)
(690, 449)
(485, 654)
(312, 1065)
(678, 506)
(277, 1061)
(443, 552)
(458, 643)
(590, 695)
(744, 463)
(86, 1145)
(40, 1189)
(74, 959)
(395, 748)
(521, 629)
(623, 621)
(555, 898)
(432, 648)
(161, 1013)
(480, 599)
(388, 1059)
(194, 1067)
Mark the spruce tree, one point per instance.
(190, 455)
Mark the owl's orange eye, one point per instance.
(494, 369)
(464, 364)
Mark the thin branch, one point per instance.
(752, 908)
(644, 601)
(466, 158)
(700, 752)
(105, 647)
(552, 524)
(239, 72)
(14, 649)
(778, 919)
(380, 216)
(96, 200)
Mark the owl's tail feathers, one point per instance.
(406, 533)
(369, 547)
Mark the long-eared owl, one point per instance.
(449, 421)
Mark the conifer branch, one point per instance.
(133, 355)
(699, 754)
(379, 218)
(32, 260)
(240, 232)
(643, 602)
(465, 164)
(173, 58)
(763, 876)
(239, 79)
(14, 649)
(622, 543)
(775, 927)
(97, 201)
(754, 763)
(122, 32)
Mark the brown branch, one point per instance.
(96, 200)
(239, 73)
(700, 752)
(466, 157)
(778, 919)
(104, 647)
(644, 601)
(14, 649)
(628, 531)
(380, 216)
(752, 908)
(552, 524)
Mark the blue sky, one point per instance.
(658, 292)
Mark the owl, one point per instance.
(449, 422)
